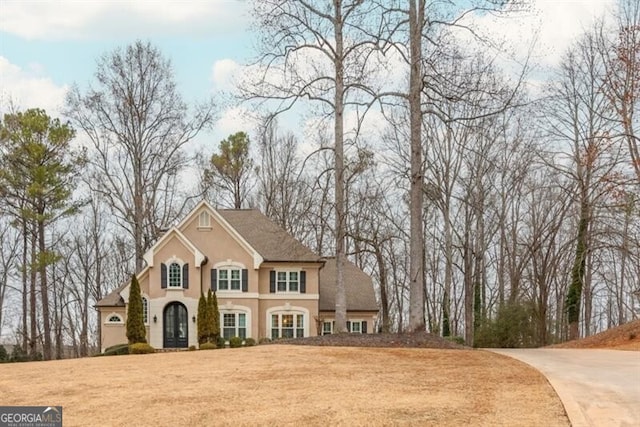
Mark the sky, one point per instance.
(47, 46)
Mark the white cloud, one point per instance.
(234, 120)
(29, 88)
(555, 24)
(72, 19)
(224, 74)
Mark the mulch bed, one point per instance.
(405, 340)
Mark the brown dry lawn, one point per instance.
(623, 337)
(289, 385)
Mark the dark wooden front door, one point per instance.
(176, 326)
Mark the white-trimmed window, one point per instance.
(357, 326)
(287, 325)
(114, 318)
(175, 275)
(204, 220)
(327, 327)
(145, 310)
(229, 279)
(287, 281)
(234, 325)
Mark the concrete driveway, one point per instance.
(597, 387)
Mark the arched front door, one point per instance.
(176, 326)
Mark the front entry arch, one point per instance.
(176, 326)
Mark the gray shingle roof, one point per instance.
(113, 299)
(271, 241)
(274, 244)
(358, 285)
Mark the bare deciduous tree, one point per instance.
(138, 125)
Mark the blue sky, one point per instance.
(46, 46)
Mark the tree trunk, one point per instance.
(44, 291)
(25, 284)
(32, 298)
(416, 249)
(341, 295)
(384, 298)
(574, 294)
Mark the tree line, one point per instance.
(481, 207)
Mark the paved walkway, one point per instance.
(597, 387)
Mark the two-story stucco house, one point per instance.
(268, 284)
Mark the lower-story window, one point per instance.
(327, 328)
(287, 326)
(357, 326)
(234, 325)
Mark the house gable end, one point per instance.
(217, 219)
(173, 233)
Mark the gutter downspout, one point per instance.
(204, 261)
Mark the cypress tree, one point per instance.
(214, 316)
(136, 331)
(203, 320)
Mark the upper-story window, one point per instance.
(288, 281)
(174, 275)
(230, 278)
(204, 220)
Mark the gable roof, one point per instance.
(149, 255)
(113, 298)
(271, 241)
(215, 213)
(358, 286)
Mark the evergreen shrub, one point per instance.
(141, 348)
(208, 346)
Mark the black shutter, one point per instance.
(303, 282)
(272, 282)
(349, 327)
(214, 279)
(185, 276)
(245, 280)
(364, 327)
(163, 276)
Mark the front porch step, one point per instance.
(170, 350)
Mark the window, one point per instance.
(114, 318)
(229, 279)
(145, 310)
(234, 325)
(175, 275)
(287, 326)
(327, 328)
(288, 281)
(204, 220)
(357, 326)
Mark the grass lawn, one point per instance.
(289, 385)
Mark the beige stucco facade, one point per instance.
(205, 246)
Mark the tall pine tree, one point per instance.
(136, 331)
(204, 323)
(37, 179)
(213, 316)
